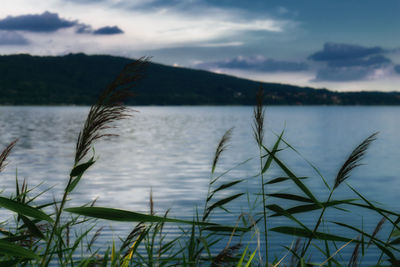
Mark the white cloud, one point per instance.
(221, 44)
(151, 28)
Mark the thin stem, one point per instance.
(387, 241)
(208, 195)
(264, 208)
(316, 226)
(58, 216)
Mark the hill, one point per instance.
(78, 79)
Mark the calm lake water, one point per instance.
(169, 150)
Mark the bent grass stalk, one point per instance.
(109, 108)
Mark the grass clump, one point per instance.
(45, 235)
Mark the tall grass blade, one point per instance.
(128, 216)
(290, 197)
(281, 179)
(307, 161)
(24, 209)
(312, 207)
(251, 258)
(293, 177)
(220, 203)
(294, 231)
(10, 249)
(374, 239)
(278, 210)
(240, 262)
(222, 187)
(373, 207)
(275, 149)
(385, 250)
(33, 229)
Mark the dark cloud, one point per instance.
(84, 28)
(12, 38)
(342, 74)
(375, 61)
(51, 22)
(258, 64)
(397, 69)
(107, 30)
(355, 72)
(45, 22)
(345, 62)
(334, 51)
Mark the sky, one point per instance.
(342, 45)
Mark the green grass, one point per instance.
(56, 234)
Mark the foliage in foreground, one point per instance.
(46, 234)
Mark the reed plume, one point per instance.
(95, 237)
(225, 257)
(377, 229)
(5, 153)
(109, 108)
(354, 256)
(353, 160)
(222, 145)
(258, 131)
(258, 118)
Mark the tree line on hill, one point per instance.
(77, 79)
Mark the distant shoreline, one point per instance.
(77, 79)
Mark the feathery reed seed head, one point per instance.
(353, 160)
(5, 153)
(225, 256)
(377, 229)
(258, 120)
(109, 108)
(354, 256)
(222, 145)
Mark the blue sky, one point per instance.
(343, 45)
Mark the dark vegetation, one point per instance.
(44, 232)
(76, 79)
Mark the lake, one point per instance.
(169, 150)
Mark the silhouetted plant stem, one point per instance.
(388, 240)
(353, 161)
(258, 129)
(264, 209)
(316, 226)
(56, 222)
(109, 108)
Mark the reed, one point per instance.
(44, 235)
(258, 130)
